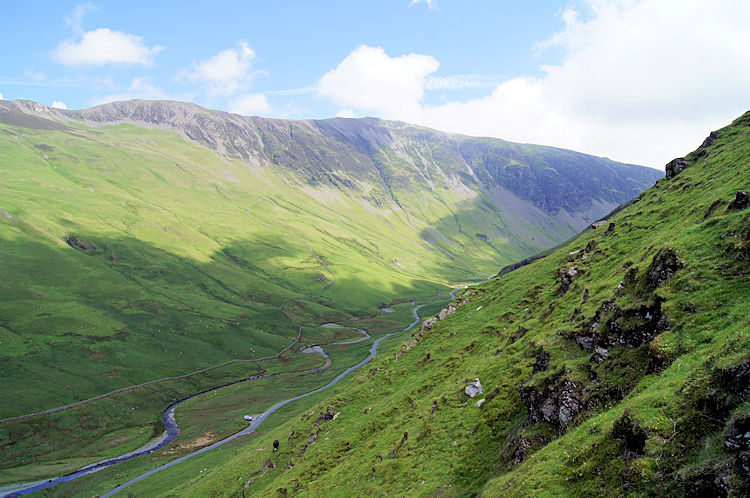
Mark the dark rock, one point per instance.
(629, 326)
(518, 448)
(567, 275)
(590, 246)
(738, 437)
(631, 435)
(600, 354)
(557, 403)
(610, 229)
(710, 139)
(706, 483)
(542, 361)
(663, 267)
(741, 201)
(79, 244)
(675, 167)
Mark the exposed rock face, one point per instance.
(567, 275)
(741, 201)
(710, 139)
(542, 361)
(557, 403)
(675, 167)
(663, 267)
(738, 438)
(474, 388)
(631, 327)
(78, 243)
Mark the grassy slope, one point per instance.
(407, 427)
(187, 259)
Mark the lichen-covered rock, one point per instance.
(443, 313)
(428, 323)
(675, 167)
(663, 267)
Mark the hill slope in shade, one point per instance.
(617, 365)
(148, 239)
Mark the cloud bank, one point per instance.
(640, 81)
(105, 46)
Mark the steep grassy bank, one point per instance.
(619, 364)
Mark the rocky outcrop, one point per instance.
(741, 201)
(664, 266)
(567, 275)
(629, 326)
(675, 167)
(79, 244)
(710, 139)
(557, 403)
(428, 323)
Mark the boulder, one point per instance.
(474, 388)
(443, 313)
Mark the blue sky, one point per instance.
(636, 80)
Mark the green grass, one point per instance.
(682, 387)
(129, 254)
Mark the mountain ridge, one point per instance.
(468, 160)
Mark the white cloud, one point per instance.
(59, 105)
(458, 81)
(641, 81)
(35, 76)
(370, 80)
(346, 113)
(75, 20)
(225, 73)
(251, 104)
(1, 96)
(139, 88)
(104, 46)
(432, 4)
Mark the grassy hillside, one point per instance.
(619, 364)
(150, 240)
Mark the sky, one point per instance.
(640, 81)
